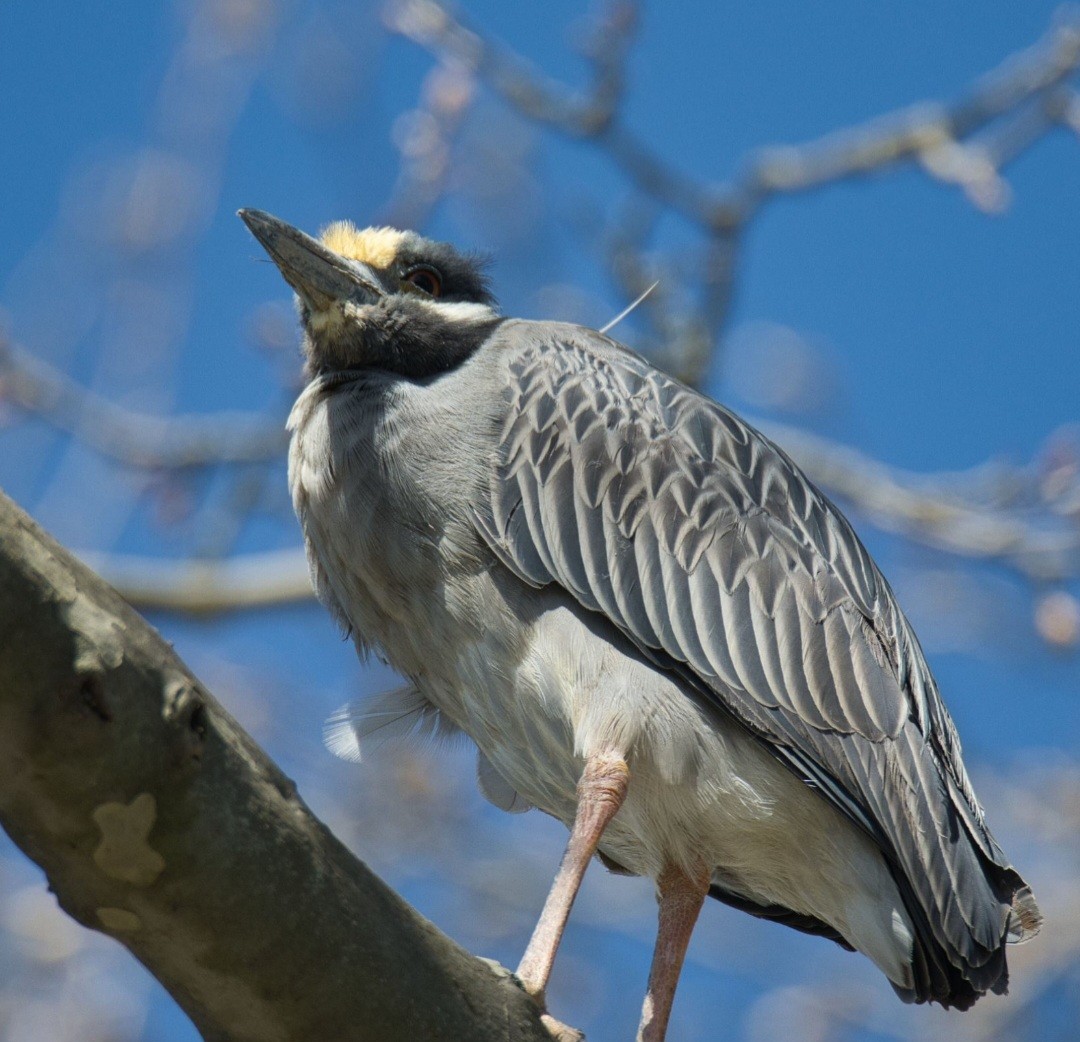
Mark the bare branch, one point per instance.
(917, 132)
(135, 438)
(592, 115)
(159, 822)
(921, 131)
(425, 138)
(516, 80)
(940, 510)
(207, 586)
(1067, 112)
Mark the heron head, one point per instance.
(379, 297)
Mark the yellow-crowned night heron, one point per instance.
(653, 626)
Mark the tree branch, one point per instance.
(159, 821)
(135, 438)
(921, 131)
(1010, 522)
(965, 143)
(207, 586)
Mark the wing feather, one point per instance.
(714, 554)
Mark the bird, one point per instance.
(652, 624)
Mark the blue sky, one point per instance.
(949, 337)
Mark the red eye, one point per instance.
(425, 279)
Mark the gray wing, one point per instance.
(718, 558)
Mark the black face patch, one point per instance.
(462, 275)
(417, 328)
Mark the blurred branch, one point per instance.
(516, 80)
(204, 586)
(1067, 112)
(966, 143)
(1024, 88)
(425, 137)
(1009, 522)
(927, 131)
(135, 438)
(159, 822)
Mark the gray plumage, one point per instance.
(706, 545)
(565, 551)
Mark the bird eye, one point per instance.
(425, 279)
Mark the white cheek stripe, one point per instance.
(449, 311)
(459, 310)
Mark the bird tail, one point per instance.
(954, 976)
(967, 903)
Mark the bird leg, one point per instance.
(680, 897)
(601, 791)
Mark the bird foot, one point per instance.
(559, 1031)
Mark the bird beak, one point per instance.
(319, 275)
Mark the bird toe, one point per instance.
(561, 1032)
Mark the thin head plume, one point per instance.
(626, 311)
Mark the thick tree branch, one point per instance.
(159, 821)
